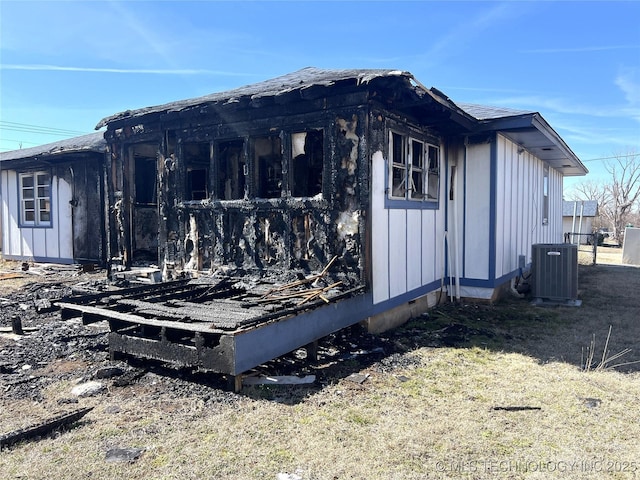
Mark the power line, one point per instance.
(17, 141)
(29, 128)
(610, 158)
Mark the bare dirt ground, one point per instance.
(466, 390)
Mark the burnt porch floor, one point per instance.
(220, 325)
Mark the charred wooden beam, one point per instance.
(42, 428)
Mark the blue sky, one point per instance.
(65, 65)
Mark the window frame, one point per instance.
(545, 195)
(267, 185)
(313, 164)
(36, 198)
(250, 165)
(197, 169)
(404, 172)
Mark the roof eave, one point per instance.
(91, 143)
(532, 132)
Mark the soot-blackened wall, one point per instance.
(267, 194)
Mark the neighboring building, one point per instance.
(578, 219)
(53, 203)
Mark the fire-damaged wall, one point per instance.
(266, 195)
(86, 178)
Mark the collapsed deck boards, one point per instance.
(221, 327)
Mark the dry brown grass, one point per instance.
(609, 256)
(432, 414)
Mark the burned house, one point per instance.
(54, 205)
(373, 194)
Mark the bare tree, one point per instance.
(623, 190)
(619, 198)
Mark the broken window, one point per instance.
(35, 198)
(267, 153)
(433, 174)
(415, 169)
(416, 188)
(307, 154)
(196, 158)
(231, 170)
(145, 180)
(398, 166)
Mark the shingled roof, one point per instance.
(299, 80)
(92, 142)
(485, 112)
(588, 208)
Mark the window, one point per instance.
(415, 169)
(267, 153)
(398, 166)
(231, 170)
(545, 196)
(307, 153)
(35, 198)
(433, 176)
(145, 180)
(196, 156)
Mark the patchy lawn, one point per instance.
(464, 391)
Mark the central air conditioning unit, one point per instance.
(554, 272)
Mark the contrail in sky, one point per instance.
(59, 68)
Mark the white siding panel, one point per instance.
(506, 213)
(429, 247)
(414, 249)
(438, 236)
(520, 203)
(477, 208)
(4, 175)
(26, 242)
(510, 252)
(397, 252)
(39, 243)
(380, 231)
(501, 206)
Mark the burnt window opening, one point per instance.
(231, 163)
(414, 169)
(145, 180)
(433, 173)
(417, 169)
(196, 158)
(267, 153)
(307, 158)
(398, 163)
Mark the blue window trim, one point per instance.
(394, 203)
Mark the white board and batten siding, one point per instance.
(519, 204)
(407, 244)
(477, 201)
(54, 243)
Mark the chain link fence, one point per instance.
(587, 245)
